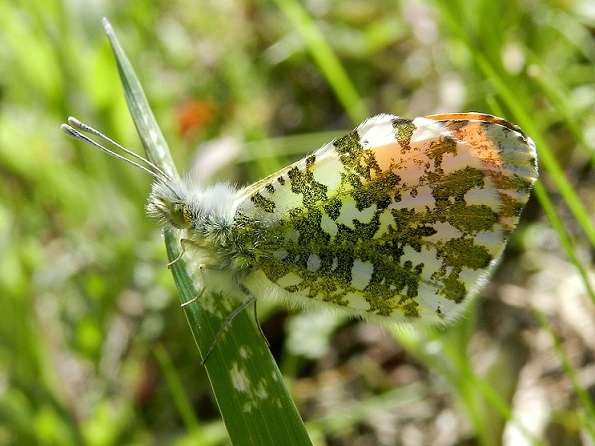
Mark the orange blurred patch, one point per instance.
(193, 115)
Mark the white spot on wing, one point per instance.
(427, 129)
(289, 280)
(328, 225)
(486, 196)
(356, 302)
(313, 262)
(361, 273)
(328, 167)
(377, 131)
(280, 254)
(349, 212)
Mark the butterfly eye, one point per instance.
(180, 215)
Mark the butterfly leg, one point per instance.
(249, 294)
(256, 319)
(195, 298)
(182, 243)
(226, 323)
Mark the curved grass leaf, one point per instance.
(249, 389)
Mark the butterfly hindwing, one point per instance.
(399, 219)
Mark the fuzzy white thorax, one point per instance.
(186, 205)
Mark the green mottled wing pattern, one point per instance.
(397, 220)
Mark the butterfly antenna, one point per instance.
(71, 130)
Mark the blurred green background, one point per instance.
(94, 348)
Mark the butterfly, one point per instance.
(397, 221)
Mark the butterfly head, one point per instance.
(168, 205)
(168, 200)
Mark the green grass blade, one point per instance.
(326, 59)
(249, 389)
(176, 389)
(565, 239)
(582, 393)
(149, 132)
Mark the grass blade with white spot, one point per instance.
(249, 389)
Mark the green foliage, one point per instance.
(94, 348)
